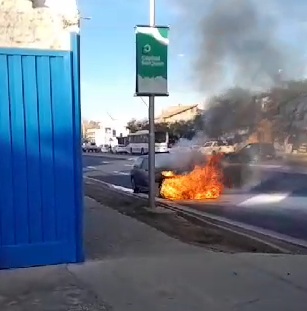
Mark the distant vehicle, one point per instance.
(253, 153)
(120, 149)
(302, 148)
(296, 143)
(90, 147)
(139, 142)
(105, 148)
(163, 162)
(236, 166)
(217, 146)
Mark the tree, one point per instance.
(237, 109)
(137, 125)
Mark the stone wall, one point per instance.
(23, 26)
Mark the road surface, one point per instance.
(113, 169)
(275, 199)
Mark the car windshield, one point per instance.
(267, 148)
(222, 143)
(163, 160)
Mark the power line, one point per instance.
(142, 99)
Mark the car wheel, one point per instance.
(134, 186)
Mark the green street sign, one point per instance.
(151, 61)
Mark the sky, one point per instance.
(108, 53)
(108, 59)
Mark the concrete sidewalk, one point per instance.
(142, 269)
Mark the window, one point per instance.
(160, 137)
(222, 143)
(267, 149)
(165, 160)
(145, 164)
(250, 149)
(114, 132)
(137, 139)
(138, 162)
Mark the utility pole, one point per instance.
(151, 119)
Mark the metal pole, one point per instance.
(151, 119)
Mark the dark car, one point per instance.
(237, 170)
(253, 153)
(177, 163)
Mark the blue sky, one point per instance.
(108, 58)
(108, 53)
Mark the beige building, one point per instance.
(178, 113)
(38, 24)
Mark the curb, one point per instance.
(281, 243)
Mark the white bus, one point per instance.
(138, 142)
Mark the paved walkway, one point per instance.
(139, 268)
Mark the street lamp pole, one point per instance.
(151, 120)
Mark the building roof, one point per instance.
(172, 111)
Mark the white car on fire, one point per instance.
(217, 146)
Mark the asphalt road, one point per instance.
(113, 169)
(275, 197)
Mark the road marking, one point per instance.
(122, 188)
(91, 167)
(129, 165)
(265, 165)
(122, 173)
(105, 162)
(264, 199)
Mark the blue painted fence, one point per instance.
(40, 157)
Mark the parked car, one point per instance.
(90, 147)
(217, 146)
(120, 149)
(105, 148)
(163, 162)
(237, 168)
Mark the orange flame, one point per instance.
(202, 183)
(168, 174)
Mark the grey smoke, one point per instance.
(239, 44)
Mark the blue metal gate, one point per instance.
(40, 157)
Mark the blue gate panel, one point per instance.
(40, 202)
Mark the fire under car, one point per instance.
(233, 168)
(180, 163)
